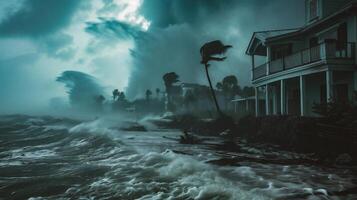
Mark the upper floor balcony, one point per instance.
(323, 51)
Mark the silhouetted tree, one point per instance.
(247, 91)
(121, 96)
(169, 80)
(115, 94)
(207, 51)
(148, 94)
(157, 93)
(230, 87)
(219, 86)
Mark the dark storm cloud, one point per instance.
(179, 28)
(108, 32)
(112, 29)
(39, 17)
(170, 12)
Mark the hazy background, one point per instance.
(124, 44)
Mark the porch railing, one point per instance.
(260, 71)
(326, 50)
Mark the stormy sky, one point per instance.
(124, 44)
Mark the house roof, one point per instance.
(259, 39)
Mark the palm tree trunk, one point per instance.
(212, 91)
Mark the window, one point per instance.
(313, 9)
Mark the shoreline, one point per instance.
(296, 134)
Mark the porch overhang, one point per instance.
(257, 44)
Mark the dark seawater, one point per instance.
(52, 158)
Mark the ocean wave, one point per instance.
(49, 158)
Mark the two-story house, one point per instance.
(313, 64)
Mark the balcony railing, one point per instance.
(260, 71)
(323, 51)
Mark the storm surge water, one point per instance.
(54, 158)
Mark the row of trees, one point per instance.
(149, 93)
(228, 86)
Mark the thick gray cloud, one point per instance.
(179, 28)
(58, 45)
(170, 12)
(38, 17)
(109, 29)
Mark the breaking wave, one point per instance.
(51, 158)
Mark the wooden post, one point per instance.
(329, 86)
(256, 102)
(282, 97)
(267, 110)
(302, 95)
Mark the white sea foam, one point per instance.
(97, 126)
(103, 163)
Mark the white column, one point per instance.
(267, 99)
(282, 97)
(267, 60)
(302, 95)
(256, 102)
(275, 100)
(329, 82)
(253, 66)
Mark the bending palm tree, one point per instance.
(207, 51)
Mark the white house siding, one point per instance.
(330, 6)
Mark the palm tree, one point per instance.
(148, 93)
(121, 97)
(207, 51)
(158, 93)
(116, 94)
(230, 88)
(219, 86)
(169, 79)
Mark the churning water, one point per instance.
(49, 158)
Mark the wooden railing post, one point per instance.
(283, 60)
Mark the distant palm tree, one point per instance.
(121, 96)
(157, 93)
(116, 94)
(169, 79)
(219, 86)
(207, 51)
(148, 94)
